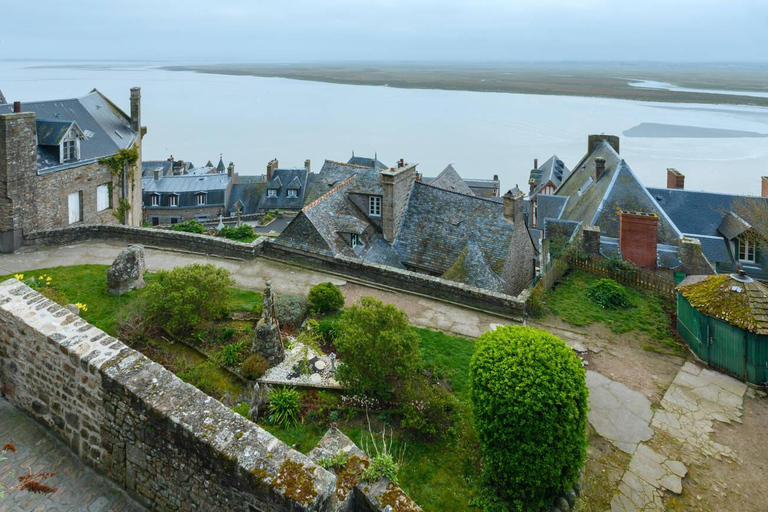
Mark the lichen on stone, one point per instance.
(297, 482)
(398, 500)
(348, 475)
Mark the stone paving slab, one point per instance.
(80, 489)
(643, 484)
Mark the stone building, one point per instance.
(50, 175)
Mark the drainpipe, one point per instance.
(125, 217)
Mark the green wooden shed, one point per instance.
(724, 320)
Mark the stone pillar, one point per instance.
(267, 343)
(133, 218)
(397, 184)
(693, 261)
(637, 238)
(18, 165)
(590, 240)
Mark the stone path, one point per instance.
(79, 488)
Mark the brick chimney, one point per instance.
(675, 179)
(637, 238)
(307, 165)
(271, 166)
(535, 163)
(397, 185)
(18, 165)
(513, 205)
(231, 169)
(599, 168)
(16, 107)
(764, 191)
(136, 109)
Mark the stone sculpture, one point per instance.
(127, 271)
(268, 341)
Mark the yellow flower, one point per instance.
(41, 278)
(20, 277)
(81, 306)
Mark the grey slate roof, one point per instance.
(732, 226)
(106, 128)
(549, 207)
(449, 179)
(246, 196)
(50, 133)
(367, 162)
(330, 175)
(553, 170)
(471, 267)
(148, 168)
(296, 179)
(186, 183)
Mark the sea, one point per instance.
(250, 120)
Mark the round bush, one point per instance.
(254, 366)
(608, 294)
(325, 297)
(529, 399)
(291, 310)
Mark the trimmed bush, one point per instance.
(190, 226)
(325, 298)
(291, 310)
(608, 294)
(243, 233)
(379, 349)
(529, 401)
(254, 366)
(180, 300)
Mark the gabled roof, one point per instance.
(51, 133)
(553, 170)
(330, 175)
(449, 179)
(245, 197)
(732, 226)
(367, 162)
(106, 128)
(276, 183)
(185, 183)
(295, 183)
(295, 178)
(738, 301)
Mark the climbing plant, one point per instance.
(122, 165)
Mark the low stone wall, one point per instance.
(164, 238)
(170, 445)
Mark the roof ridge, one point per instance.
(325, 196)
(459, 193)
(345, 163)
(676, 190)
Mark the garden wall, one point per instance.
(435, 287)
(171, 446)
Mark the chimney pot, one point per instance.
(495, 177)
(307, 164)
(401, 163)
(535, 163)
(675, 179)
(764, 191)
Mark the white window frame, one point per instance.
(69, 150)
(154, 200)
(75, 199)
(354, 240)
(271, 192)
(200, 199)
(173, 200)
(748, 250)
(102, 198)
(292, 192)
(374, 206)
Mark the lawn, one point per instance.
(648, 313)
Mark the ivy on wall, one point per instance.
(123, 166)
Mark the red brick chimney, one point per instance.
(637, 238)
(271, 166)
(764, 191)
(675, 179)
(16, 107)
(599, 168)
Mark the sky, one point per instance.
(386, 30)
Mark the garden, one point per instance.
(413, 388)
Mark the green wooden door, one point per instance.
(727, 347)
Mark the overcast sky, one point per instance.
(331, 30)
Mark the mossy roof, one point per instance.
(744, 305)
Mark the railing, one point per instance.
(636, 277)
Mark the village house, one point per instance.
(285, 189)
(50, 174)
(390, 217)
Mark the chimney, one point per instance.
(136, 109)
(271, 166)
(16, 107)
(637, 238)
(593, 141)
(675, 179)
(513, 205)
(495, 177)
(307, 165)
(231, 169)
(764, 191)
(157, 174)
(18, 164)
(397, 185)
(535, 163)
(599, 168)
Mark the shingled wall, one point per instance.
(171, 446)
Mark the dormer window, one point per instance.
(293, 193)
(374, 206)
(354, 240)
(200, 199)
(154, 200)
(173, 200)
(271, 192)
(70, 150)
(747, 250)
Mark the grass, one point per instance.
(447, 355)
(647, 313)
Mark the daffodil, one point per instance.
(20, 277)
(81, 306)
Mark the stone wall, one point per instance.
(170, 445)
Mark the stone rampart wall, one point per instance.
(170, 445)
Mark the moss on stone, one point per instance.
(259, 473)
(348, 475)
(297, 482)
(398, 500)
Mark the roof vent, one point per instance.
(741, 276)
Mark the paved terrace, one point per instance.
(79, 489)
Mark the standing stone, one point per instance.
(268, 341)
(127, 271)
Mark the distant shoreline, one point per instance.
(597, 81)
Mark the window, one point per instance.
(293, 193)
(271, 192)
(154, 200)
(354, 240)
(103, 199)
(174, 220)
(155, 221)
(374, 206)
(75, 204)
(746, 251)
(173, 200)
(69, 150)
(200, 199)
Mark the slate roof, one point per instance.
(481, 184)
(438, 224)
(296, 180)
(185, 183)
(743, 304)
(106, 128)
(246, 194)
(2, 99)
(471, 267)
(148, 168)
(51, 133)
(330, 175)
(549, 207)
(732, 226)
(553, 170)
(221, 167)
(367, 162)
(449, 179)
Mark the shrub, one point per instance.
(254, 366)
(190, 226)
(325, 298)
(427, 409)
(529, 400)
(291, 310)
(181, 299)
(242, 233)
(608, 294)
(284, 407)
(327, 328)
(534, 304)
(379, 349)
(233, 354)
